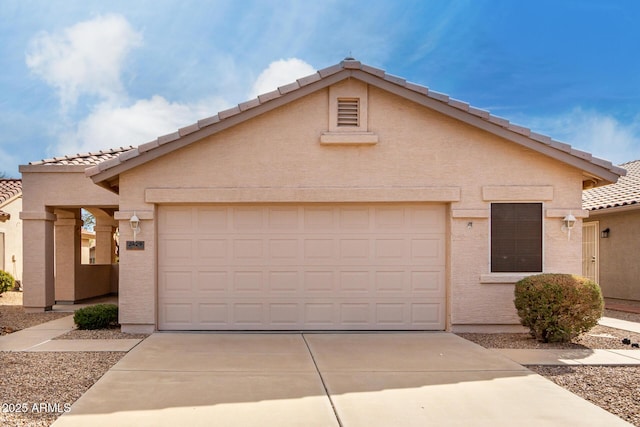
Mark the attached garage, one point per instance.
(301, 267)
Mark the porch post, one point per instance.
(68, 251)
(38, 275)
(105, 253)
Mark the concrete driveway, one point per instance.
(367, 380)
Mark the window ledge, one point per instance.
(354, 138)
(503, 278)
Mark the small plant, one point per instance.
(558, 307)
(100, 316)
(6, 281)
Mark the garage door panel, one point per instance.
(285, 281)
(284, 250)
(284, 267)
(391, 282)
(213, 315)
(178, 251)
(430, 282)
(212, 218)
(212, 282)
(284, 219)
(248, 282)
(174, 219)
(318, 281)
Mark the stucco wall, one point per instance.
(619, 262)
(417, 148)
(12, 230)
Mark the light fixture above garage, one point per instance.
(567, 224)
(135, 225)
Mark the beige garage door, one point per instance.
(295, 267)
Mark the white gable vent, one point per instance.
(349, 112)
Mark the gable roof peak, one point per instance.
(599, 171)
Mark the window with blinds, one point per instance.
(516, 237)
(348, 112)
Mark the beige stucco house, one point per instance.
(11, 227)
(612, 235)
(348, 199)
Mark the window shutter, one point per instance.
(349, 112)
(516, 237)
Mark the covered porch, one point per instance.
(55, 192)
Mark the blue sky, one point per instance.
(84, 75)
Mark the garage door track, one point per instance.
(350, 379)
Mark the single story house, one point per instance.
(612, 235)
(349, 199)
(11, 227)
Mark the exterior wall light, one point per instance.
(605, 233)
(567, 224)
(135, 225)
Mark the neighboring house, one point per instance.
(612, 235)
(11, 227)
(88, 247)
(348, 199)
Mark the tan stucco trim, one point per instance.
(300, 195)
(501, 278)
(470, 213)
(517, 192)
(350, 138)
(126, 215)
(42, 216)
(561, 213)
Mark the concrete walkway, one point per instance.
(349, 380)
(625, 325)
(41, 338)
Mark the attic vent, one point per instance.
(348, 112)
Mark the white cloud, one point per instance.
(600, 134)
(279, 73)
(86, 58)
(109, 126)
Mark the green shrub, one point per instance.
(558, 307)
(100, 316)
(6, 281)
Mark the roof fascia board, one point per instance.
(486, 125)
(614, 209)
(221, 125)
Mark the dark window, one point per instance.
(516, 237)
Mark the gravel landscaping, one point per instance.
(36, 388)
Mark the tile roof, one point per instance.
(623, 193)
(9, 188)
(85, 159)
(110, 163)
